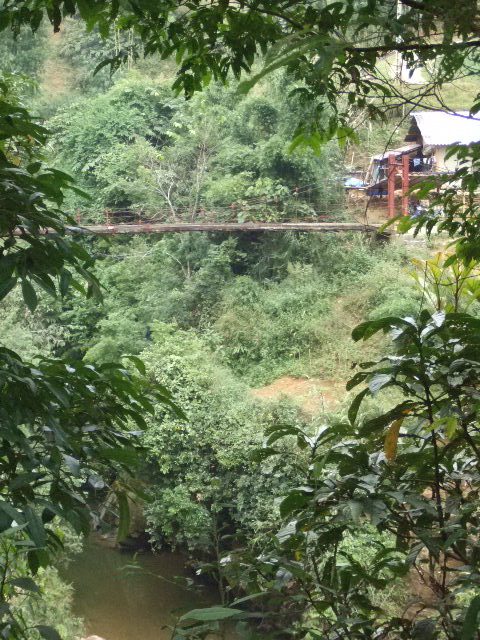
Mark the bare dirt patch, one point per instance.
(313, 395)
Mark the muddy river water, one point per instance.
(118, 603)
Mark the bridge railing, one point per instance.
(132, 216)
(315, 203)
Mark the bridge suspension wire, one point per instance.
(272, 208)
(259, 199)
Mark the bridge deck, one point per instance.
(228, 227)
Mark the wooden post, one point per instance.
(405, 183)
(391, 173)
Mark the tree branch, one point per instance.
(413, 47)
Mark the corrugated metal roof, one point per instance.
(440, 129)
(408, 148)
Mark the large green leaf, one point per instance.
(471, 623)
(29, 295)
(383, 420)
(295, 501)
(366, 330)
(25, 583)
(35, 527)
(49, 633)
(211, 614)
(355, 405)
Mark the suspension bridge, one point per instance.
(296, 210)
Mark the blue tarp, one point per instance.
(354, 183)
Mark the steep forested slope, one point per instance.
(213, 315)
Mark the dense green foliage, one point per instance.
(393, 471)
(204, 482)
(264, 317)
(138, 148)
(62, 423)
(330, 49)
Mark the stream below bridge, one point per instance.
(118, 603)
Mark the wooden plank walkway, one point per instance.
(225, 227)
